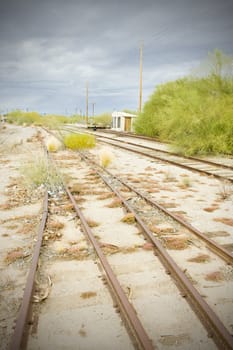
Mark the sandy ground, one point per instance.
(206, 203)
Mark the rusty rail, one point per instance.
(19, 332)
(215, 247)
(124, 304)
(207, 316)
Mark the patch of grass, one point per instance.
(129, 218)
(201, 258)
(79, 141)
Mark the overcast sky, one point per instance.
(49, 49)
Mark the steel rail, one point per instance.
(184, 166)
(19, 332)
(124, 304)
(215, 247)
(218, 331)
(204, 161)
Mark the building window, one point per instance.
(119, 122)
(114, 122)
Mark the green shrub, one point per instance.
(104, 119)
(24, 118)
(194, 113)
(79, 141)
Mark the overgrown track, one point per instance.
(202, 309)
(203, 166)
(215, 327)
(20, 335)
(218, 249)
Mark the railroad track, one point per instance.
(157, 252)
(203, 166)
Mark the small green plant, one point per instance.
(79, 141)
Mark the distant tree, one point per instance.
(196, 112)
(130, 111)
(105, 119)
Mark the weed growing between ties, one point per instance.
(79, 141)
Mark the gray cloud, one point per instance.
(49, 49)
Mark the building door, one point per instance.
(127, 124)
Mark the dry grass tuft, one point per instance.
(176, 243)
(14, 255)
(116, 203)
(129, 218)
(87, 295)
(55, 225)
(212, 208)
(185, 182)
(77, 188)
(201, 258)
(74, 252)
(226, 221)
(5, 206)
(215, 276)
(106, 158)
(106, 195)
(92, 223)
(53, 144)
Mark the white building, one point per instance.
(122, 121)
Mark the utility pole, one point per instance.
(93, 109)
(140, 80)
(87, 102)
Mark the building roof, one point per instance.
(122, 114)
